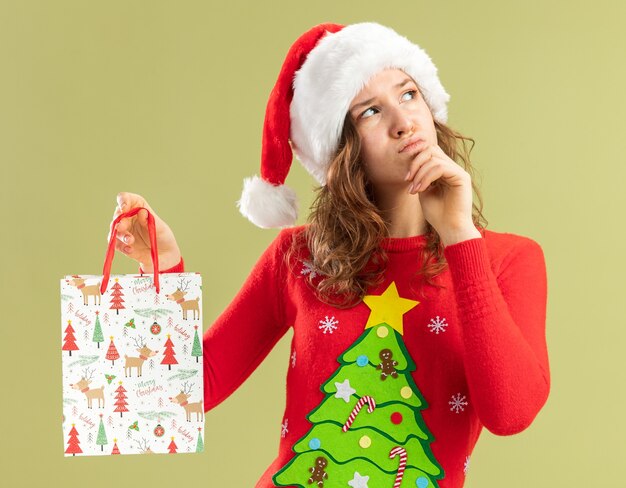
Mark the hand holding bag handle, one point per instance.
(106, 271)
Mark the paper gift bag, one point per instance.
(132, 360)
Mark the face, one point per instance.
(389, 113)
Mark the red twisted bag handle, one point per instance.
(106, 271)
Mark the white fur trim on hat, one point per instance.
(266, 205)
(335, 71)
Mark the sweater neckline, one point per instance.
(400, 244)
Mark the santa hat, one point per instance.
(324, 70)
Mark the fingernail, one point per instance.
(411, 188)
(125, 239)
(417, 187)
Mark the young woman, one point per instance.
(399, 299)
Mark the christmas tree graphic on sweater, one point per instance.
(368, 431)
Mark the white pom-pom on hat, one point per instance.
(266, 205)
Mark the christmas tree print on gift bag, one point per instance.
(131, 348)
(368, 431)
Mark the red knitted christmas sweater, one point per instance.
(397, 388)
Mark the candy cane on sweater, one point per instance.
(402, 451)
(371, 405)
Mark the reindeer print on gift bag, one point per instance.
(91, 393)
(87, 291)
(145, 376)
(179, 297)
(182, 399)
(137, 362)
(143, 446)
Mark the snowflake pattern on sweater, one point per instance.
(309, 269)
(458, 403)
(437, 325)
(328, 324)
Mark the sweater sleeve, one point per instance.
(503, 328)
(247, 330)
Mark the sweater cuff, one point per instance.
(177, 268)
(468, 260)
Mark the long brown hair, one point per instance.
(346, 228)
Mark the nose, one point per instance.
(401, 124)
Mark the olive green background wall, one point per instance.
(167, 99)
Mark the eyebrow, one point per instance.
(367, 102)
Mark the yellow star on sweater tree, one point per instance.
(388, 308)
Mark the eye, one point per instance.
(413, 94)
(366, 113)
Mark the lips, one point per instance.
(411, 144)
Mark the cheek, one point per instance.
(428, 120)
(370, 157)
(370, 146)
